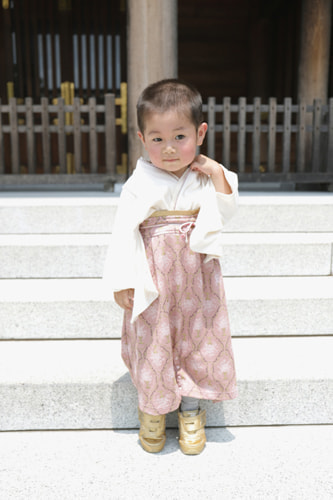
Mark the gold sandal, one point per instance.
(192, 437)
(152, 432)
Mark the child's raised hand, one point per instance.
(202, 163)
(124, 298)
(205, 165)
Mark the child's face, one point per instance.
(171, 140)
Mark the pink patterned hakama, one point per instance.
(181, 344)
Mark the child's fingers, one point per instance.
(124, 298)
(130, 299)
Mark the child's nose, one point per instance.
(169, 147)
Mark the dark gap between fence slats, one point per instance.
(46, 136)
(2, 154)
(77, 136)
(256, 135)
(14, 142)
(110, 134)
(241, 134)
(271, 135)
(329, 163)
(92, 136)
(301, 137)
(61, 136)
(316, 136)
(226, 130)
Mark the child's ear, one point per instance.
(201, 133)
(142, 139)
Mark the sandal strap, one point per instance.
(193, 423)
(152, 423)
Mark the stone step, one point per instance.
(69, 212)
(85, 385)
(57, 212)
(283, 212)
(83, 308)
(237, 464)
(245, 254)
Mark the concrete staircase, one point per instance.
(60, 364)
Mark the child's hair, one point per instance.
(168, 94)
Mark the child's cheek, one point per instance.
(189, 149)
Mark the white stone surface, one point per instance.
(280, 305)
(284, 463)
(283, 212)
(82, 308)
(40, 213)
(52, 256)
(74, 385)
(21, 213)
(246, 254)
(277, 254)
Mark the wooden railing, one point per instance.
(272, 142)
(261, 142)
(39, 144)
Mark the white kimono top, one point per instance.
(150, 189)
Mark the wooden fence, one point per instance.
(272, 142)
(44, 143)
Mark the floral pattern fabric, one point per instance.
(181, 344)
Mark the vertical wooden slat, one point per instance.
(329, 166)
(114, 8)
(77, 136)
(14, 139)
(211, 127)
(110, 133)
(27, 49)
(286, 135)
(92, 136)
(96, 52)
(44, 45)
(88, 58)
(61, 136)
(34, 34)
(105, 18)
(315, 161)
(256, 134)
(19, 49)
(79, 49)
(301, 136)
(65, 27)
(226, 131)
(271, 134)
(52, 63)
(45, 136)
(6, 53)
(31, 150)
(241, 134)
(2, 153)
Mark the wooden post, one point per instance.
(314, 57)
(152, 55)
(315, 50)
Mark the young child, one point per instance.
(165, 271)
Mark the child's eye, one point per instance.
(157, 139)
(180, 137)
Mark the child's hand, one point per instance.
(202, 163)
(205, 165)
(124, 298)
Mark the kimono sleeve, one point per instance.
(120, 262)
(228, 203)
